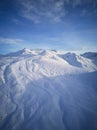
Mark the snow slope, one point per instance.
(48, 90)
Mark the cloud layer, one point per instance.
(10, 41)
(50, 10)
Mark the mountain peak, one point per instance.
(26, 51)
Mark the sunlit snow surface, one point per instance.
(48, 90)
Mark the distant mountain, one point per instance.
(48, 90)
(90, 55)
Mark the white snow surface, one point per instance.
(48, 90)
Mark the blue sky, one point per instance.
(48, 24)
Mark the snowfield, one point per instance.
(48, 90)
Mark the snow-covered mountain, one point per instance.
(48, 90)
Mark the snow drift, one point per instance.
(48, 90)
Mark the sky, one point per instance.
(69, 25)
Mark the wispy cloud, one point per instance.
(10, 41)
(49, 10)
(84, 2)
(52, 10)
(16, 21)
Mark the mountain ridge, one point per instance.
(47, 90)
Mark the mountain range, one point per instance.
(48, 90)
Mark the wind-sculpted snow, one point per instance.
(47, 90)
